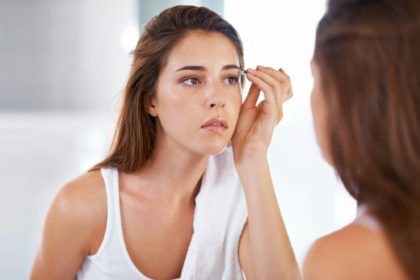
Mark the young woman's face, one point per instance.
(198, 95)
(319, 113)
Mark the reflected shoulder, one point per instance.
(353, 252)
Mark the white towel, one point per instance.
(220, 216)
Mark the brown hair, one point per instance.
(135, 134)
(368, 55)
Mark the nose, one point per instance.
(215, 102)
(215, 98)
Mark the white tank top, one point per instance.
(365, 219)
(219, 217)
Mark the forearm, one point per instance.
(272, 254)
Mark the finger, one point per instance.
(273, 83)
(280, 74)
(262, 85)
(289, 93)
(268, 77)
(290, 89)
(252, 97)
(277, 74)
(283, 90)
(285, 82)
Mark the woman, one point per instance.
(365, 102)
(167, 201)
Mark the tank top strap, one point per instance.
(111, 190)
(116, 242)
(114, 226)
(111, 261)
(110, 177)
(364, 218)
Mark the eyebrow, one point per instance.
(202, 68)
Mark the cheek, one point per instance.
(319, 116)
(173, 111)
(236, 103)
(177, 113)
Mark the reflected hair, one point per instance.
(368, 56)
(135, 134)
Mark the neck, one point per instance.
(174, 172)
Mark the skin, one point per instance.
(355, 251)
(265, 251)
(157, 201)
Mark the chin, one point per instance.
(215, 149)
(218, 151)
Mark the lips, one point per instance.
(215, 125)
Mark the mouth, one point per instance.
(215, 125)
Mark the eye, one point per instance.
(191, 81)
(231, 81)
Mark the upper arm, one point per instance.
(245, 253)
(68, 231)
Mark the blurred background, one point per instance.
(63, 66)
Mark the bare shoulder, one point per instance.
(73, 228)
(86, 189)
(86, 192)
(81, 204)
(354, 252)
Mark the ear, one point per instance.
(151, 107)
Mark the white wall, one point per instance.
(39, 152)
(63, 55)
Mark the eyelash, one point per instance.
(233, 81)
(184, 81)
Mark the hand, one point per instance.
(256, 124)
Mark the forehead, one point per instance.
(203, 48)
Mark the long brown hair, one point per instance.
(135, 134)
(368, 53)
